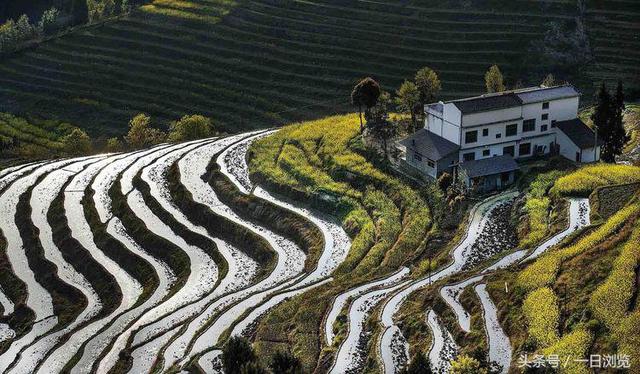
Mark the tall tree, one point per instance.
(378, 122)
(607, 119)
(79, 12)
(365, 94)
(619, 134)
(407, 97)
(494, 80)
(428, 85)
(549, 81)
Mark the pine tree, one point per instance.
(600, 118)
(618, 133)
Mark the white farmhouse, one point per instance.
(479, 138)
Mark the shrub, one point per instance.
(190, 128)
(77, 143)
(141, 134)
(114, 145)
(466, 365)
(285, 363)
(237, 352)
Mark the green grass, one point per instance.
(252, 64)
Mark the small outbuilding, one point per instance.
(429, 153)
(576, 141)
(489, 174)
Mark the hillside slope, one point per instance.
(252, 64)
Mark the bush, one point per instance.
(114, 145)
(77, 143)
(285, 363)
(237, 353)
(141, 134)
(466, 365)
(190, 128)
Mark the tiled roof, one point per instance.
(489, 166)
(579, 133)
(487, 103)
(539, 94)
(429, 144)
(508, 99)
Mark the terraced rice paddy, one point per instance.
(178, 288)
(254, 64)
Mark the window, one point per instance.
(524, 149)
(543, 128)
(528, 125)
(485, 132)
(417, 157)
(512, 129)
(545, 105)
(553, 123)
(469, 156)
(471, 136)
(431, 163)
(498, 135)
(509, 150)
(486, 152)
(545, 116)
(540, 149)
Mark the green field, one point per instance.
(251, 64)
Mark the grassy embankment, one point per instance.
(321, 164)
(554, 305)
(256, 63)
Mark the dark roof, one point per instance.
(579, 133)
(538, 94)
(487, 103)
(489, 166)
(429, 144)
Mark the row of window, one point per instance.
(524, 149)
(510, 130)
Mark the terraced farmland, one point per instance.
(158, 258)
(251, 64)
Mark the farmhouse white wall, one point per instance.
(567, 148)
